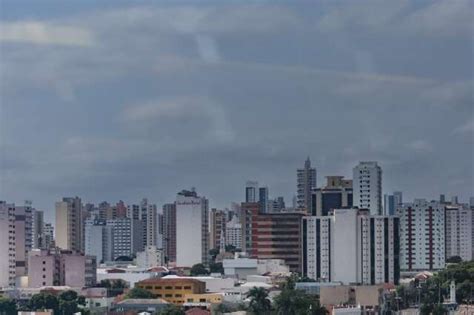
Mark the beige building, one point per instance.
(69, 225)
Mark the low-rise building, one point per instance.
(172, 290)
(135, 306)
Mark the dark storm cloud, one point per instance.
(143, 101)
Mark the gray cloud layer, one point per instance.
(144, 101)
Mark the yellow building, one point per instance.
(172, 290)
(212, 298)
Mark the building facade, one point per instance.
(459, 232)
(169, 232)
(305, 183)
(351, 246)
(251, 191)
(233, 233)
(69, 224)
(367, 185)
(192, 229)
(7, 245)
(218, 228)
(23, 237)
(150, 257)
(337, 194)
(173, 290)
(422, 235)
(277, 236)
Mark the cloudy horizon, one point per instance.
(135, 100)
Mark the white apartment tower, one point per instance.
(351, 246)
(7, 245)
(367, 186)
(458, 227)
(422, 235)
(233, 233)
(69, 224)
(305, 182)
(192, 229)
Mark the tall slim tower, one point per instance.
(192, 229)
(7, 245)
(169, 231)
(367, 185)
(251, 190)
(69, 224)
(306, 181)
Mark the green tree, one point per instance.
(216, 268)
(7, 306)
(172, 310)
(295, 302)
(213, 253)
(230, 248)
(454, 260)
(43, 301)
(69, 302)
(139, 293)
(259, 301)
(199, 270)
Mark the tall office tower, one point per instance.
(337, 194)
(422, 239)
(251, 189)
(148, 214)
(351, 246)
(471, 202)
(442, 198)
(367, 184)
(69, 227)
(169, 232)
(217, 225)
(48, 236)
(459, 231)
(23, 237)
(38, 223)
(7, 245)
(233, 233)
(278, 236)
(454, 200)
(306, 181)
(249, 213)
(98, 240)
(192, 229)
(263, 199)
(392, 202)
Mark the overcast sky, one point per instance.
(128, 99)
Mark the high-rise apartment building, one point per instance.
(218, 226)
(351, 246)
(337, 194)
(38, 224)
(233, 233)
(367, 185)
(305, 183)
(251, 190)
(192, 229)
(148, 214)
(422, 235)
(126, 235)
(48, 236)
(23, 237)
(7, 245)
(277, 236)
(69, 224)
(459, 231)
(61, 268)
(249, 212)
(169, 232)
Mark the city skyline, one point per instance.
(126, 101)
